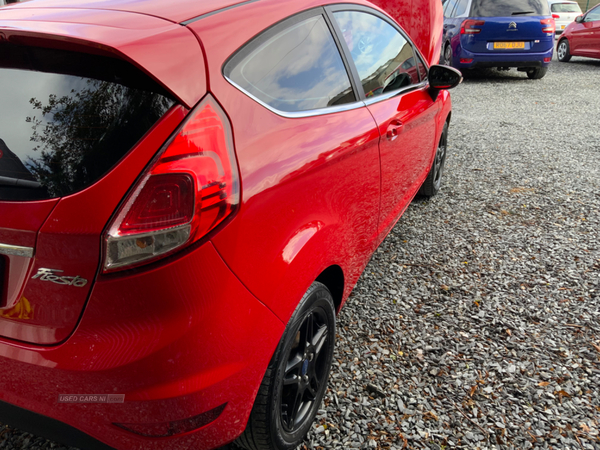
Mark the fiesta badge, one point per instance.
(44, 274)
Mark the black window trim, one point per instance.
(330, 9)
(266, 34)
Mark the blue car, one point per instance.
(498, 33)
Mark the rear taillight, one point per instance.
(190, 187)
(555, 16)
(469, 26)
(549, 25)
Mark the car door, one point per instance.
(591, 46)
(584, 37)
(397, 97)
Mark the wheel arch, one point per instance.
(333, 278)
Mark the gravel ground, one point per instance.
(476, 324)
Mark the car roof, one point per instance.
(176, 11)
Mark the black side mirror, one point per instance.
(579, 19)
(443, 77)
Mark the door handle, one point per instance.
(393, 129)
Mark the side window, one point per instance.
(461, 8)
(384, 59)
(450, 8)
(593, 15)
(294, 68)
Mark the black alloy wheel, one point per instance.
(306, 370)
(433, 182)
(296, 379)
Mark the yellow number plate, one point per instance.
(505, 45)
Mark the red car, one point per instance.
(582, 37)
(189, 192)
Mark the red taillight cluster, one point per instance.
(555, 16)
(468, 26)
(191, 186)
(548, 25)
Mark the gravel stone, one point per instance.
(478, 316)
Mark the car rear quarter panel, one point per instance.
(310, 186)
(181, 345)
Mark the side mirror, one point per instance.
(443, 77)
(579, 19)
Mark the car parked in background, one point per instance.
(563, 12)
(582, 37)
(503, 34)
(189, 191)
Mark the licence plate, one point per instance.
(505, 45)
(562, 27)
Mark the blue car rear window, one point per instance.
(504, 8)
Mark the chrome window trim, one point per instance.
(300, 114)
(16, 250)
(413, 87)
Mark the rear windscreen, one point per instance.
(565, 8)
(67, 118)
(504, 8)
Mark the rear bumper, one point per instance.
(504, 59)
(177, 340)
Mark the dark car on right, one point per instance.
(498, 33)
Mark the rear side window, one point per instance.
(294, 67)
(461, 8)
(450, 5)
(67, 118)
(504, 8)
(565, 8)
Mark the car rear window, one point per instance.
(67, 118)
(565, 8)
(293, 67)
(504, 8)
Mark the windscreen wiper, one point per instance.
(17, 182)
(520, 13)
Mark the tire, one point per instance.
(433, 182)
(296, 379)
(563, 51)
(447, 58)
(537, 73)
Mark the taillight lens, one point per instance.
(555, 16)
(469, 26)
(190, 187)
(549, 25)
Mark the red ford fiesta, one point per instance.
(188, 193)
